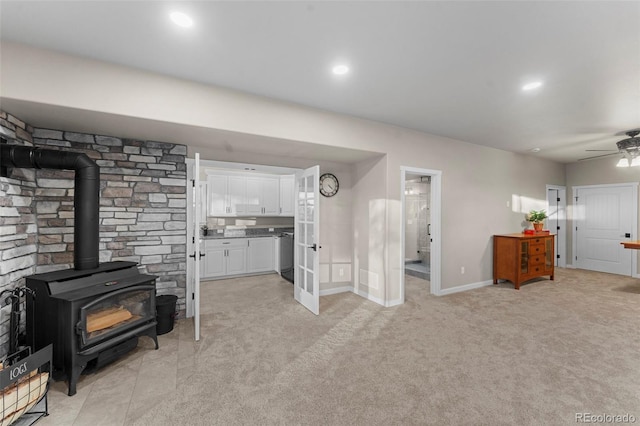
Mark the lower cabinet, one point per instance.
(260, 255)
(224, 257)
(237, 256)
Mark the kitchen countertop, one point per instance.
(245, 233)
(223, 236)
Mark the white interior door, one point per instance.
(605, 216)
(556, 222)
(197, 201)
(307, 230)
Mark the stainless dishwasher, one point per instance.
(286, 256)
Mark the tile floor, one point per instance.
(118, 392)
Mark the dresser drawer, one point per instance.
(536, 248)
(537, 259)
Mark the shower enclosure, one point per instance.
(418, 227)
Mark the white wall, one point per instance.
(477, 182)
(595, 172)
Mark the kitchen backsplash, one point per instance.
(249, 222)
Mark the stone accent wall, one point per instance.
(142, 206)
(18, 228)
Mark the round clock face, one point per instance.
(328, 185)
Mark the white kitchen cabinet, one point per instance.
(260, 255)
(224, 256)
(237, 256)
(227, 195)
(237, 260)
(213, 263)
(263, 196)
(287, 196)
(217, 195)
(237, 193)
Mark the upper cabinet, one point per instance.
(263, 195)
(237, 194)
(287, 196)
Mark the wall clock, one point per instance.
(329, 185)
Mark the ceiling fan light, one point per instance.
(624, 162)
(635, 162)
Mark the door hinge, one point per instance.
(576, 257)
(558, 199)
(576, 228)
(193, 296)
(576, 199)
(558, 228)
(193, 183)
(557, 256)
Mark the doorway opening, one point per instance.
(417, 227)
(420, 201)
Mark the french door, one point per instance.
(197, 202)
(307, 229)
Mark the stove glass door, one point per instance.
(116, 312)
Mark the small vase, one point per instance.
(537, 226)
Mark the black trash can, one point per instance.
(165, 313)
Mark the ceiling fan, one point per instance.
(629, 148)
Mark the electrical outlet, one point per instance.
(341, 272)
(462, 269)
(508, 203)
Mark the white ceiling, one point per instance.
(453, 69)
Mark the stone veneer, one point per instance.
(18, 227)
(142, 208)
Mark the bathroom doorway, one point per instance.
(417, 227)
(420, 194)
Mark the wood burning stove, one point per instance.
(92, 313)
(90, 316)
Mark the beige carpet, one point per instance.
(488, 356)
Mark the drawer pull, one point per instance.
(228, 242)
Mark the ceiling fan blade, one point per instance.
(598, 156)
(602, 150)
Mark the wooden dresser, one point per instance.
(519, 257)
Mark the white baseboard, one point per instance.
(394, 303)
(370, 297)
(466, 287)
(336, 290)
(570, 266)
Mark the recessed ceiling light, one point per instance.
(535, 150)
(340, 70)
(531, 86)
(181, 19)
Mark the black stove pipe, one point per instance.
(86, 201)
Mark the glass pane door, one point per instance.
(307, 221)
